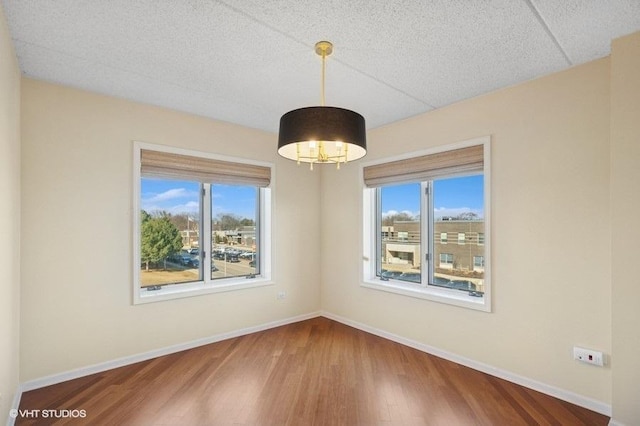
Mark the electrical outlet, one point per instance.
(589, 356)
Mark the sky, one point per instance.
(177, 197)
(451, 197)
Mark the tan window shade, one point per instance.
(185, 167)
(426, 167)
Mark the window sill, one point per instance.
(435, 294)
(179, 291)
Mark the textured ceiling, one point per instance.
(250, 61)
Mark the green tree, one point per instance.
(144, 216)
(247, 222)
(160, 239)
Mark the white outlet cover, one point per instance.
(588, 356)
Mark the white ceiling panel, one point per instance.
(250, 61)
(585, 28)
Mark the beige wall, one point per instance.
(9, 219)
(550, 232)
(77, 181)
(625, 205)
(552, 164)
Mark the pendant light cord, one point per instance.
(324, 57)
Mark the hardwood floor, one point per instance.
(315, 372)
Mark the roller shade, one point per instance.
(185, 167)
(426, 167)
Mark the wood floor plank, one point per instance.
(314, 372)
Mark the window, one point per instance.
(446, 260)
(460, 237)
(201, 223)
(426, 198)
(235, 247)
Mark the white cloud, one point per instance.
(174, 201)
(395, 212)
(441, 212)
(190, 207)
(170, 194)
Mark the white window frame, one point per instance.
(207, 285)
(370, 280)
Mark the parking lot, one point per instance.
(185, 266)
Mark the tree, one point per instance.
(466, 216)
(144, 216)
(160, 239)
(247, 222)
(397, 217)
(180, 220)
(227, 221)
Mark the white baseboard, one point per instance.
(583, 401)
(15, 405)
(564, 395)
(132, 359)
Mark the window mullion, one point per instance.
(377, 252)
(205, 220)
(258, 223)
(426, 231)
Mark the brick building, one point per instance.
(458, 245)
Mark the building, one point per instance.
(458, 250)
(244, 236)
(190, 238)
(401, 244)
(459, 246)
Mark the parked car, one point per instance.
(455, 284)
(183, 259)
(193, 262)
(462, 285)
(233, 258)
(390, 274)
(413, 277)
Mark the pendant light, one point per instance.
(322, 134)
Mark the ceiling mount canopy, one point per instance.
(322, 134)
